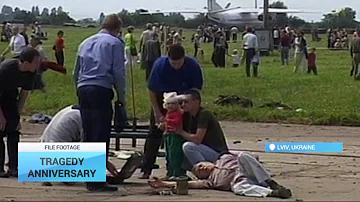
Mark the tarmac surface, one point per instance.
(311, 177)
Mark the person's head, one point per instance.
(313, 50)
(192, 101)
(130, 29)
(29, 59)
(235, 52)
(172, 101)
(35, 41)
(60, 33)
(300, 33)
(176, 56)
(23, 29)
(112, 23)
(249, 29)
(149, 26)
(15, 30)
(203, 170)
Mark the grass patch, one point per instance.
(331, 98)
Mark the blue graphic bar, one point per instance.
(304, 147)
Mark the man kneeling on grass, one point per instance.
(242, 174)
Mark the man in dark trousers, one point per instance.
(95, 74)
(173, 73)
(251, 47)
(14, 73)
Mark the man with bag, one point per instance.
(100, 65)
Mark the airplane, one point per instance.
(230, 17)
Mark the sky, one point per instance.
(79, 9)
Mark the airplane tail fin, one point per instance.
(213, 5)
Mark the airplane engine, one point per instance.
(261, 17)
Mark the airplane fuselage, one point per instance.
(239, 19)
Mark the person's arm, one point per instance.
(154, 86)
(76, 70)
(194, 184)
(45, 65)
(24, 94)
(141, 42)
(118, 70)
(8, 48)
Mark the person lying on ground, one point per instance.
(242, 174)
(204, 135)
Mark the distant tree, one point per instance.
(33, 9)
(60, 9)
(16, 10)
(53, 11)
(294, 21)
(45, 12)
(37, 11)
(6, 10)
(344, 18)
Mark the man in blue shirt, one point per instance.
(173, 73)
(100, 65)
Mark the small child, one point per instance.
(173, 141)
(312, 62)
(236, 58)
(255, 64)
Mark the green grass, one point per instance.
(331, 98)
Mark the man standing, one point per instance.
(145, 37)
(100, 65)
(355, 56)
(151, 52)
(251, 46)
(16, 45)
(14, 74)
(206, 140)
(285, 45)
(173, 73)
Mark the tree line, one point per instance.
(343, 18)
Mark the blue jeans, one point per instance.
(96, 114)
(196, 153)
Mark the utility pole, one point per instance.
(266, 14)
(255, 3)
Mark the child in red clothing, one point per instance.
(312, 62)
(173, 141)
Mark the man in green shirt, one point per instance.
(204, 135)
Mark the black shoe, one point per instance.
(145, 176)
(12, 172)
(4, 174)
(102, 188)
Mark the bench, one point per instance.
(140, 132)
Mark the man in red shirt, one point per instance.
(59, 48)
(312, 62)
(285, 45)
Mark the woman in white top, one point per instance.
(300, 51)
(16, 45)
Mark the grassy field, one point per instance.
(331, 98)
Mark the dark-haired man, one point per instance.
(173, 73)
(204, 135)
(14, 74)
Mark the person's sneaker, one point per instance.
(4, 174)
(282, 193)
(12, 173)
(103, 188)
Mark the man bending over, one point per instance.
(242, 174)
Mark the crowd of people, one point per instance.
(194, 139)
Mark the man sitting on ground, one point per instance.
(206, 140)
(242, 174)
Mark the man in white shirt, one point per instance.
(16, 45)
(251, 47)
(276, 36)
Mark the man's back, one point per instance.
(65, 126)
(355, 45)
(152, 50)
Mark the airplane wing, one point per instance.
(279, 10)
(147, 12)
